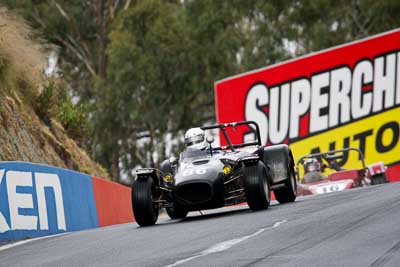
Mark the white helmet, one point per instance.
(195, 138)
(312, 165)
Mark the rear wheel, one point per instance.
(176, 211)
(289, 192)
(257, 188)
(378, 179)
(144, 209)
(279, 158)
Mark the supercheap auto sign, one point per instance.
(346, 96)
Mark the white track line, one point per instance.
(219, 247)
(19, 243)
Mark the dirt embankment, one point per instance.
(23, 135)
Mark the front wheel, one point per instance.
(144, 209)
(257, 188)
(378, 179)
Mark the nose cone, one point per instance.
(195, 173)
(193, 193)
(199, 187)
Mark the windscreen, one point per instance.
(191, 154)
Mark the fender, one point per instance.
(250, 160)
(277, 157)
(145, 173)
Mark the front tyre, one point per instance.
(257, 188)
(144, 209)
(378, 179)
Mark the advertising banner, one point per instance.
(346, 96)
(38, 200)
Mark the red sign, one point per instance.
(344, 96)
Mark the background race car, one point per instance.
(314, 181)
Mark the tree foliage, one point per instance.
(146, 69)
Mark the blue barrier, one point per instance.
(37, 200)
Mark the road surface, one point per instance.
(359, 227)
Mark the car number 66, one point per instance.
(189, 172)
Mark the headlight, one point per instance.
(167, 178)
(227, 169)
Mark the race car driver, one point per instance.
(196, 147)
(195, 138)
(197, 144)
(312, 171)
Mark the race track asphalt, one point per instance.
(359, 227)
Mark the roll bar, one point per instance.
(223, 127)
(325, 156)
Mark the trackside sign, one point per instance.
(346, 96)
(37, 200)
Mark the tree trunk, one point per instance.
(102, 39)
(115, 170)
(151, 148)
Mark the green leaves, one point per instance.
(163, 57)
(53, 102)
(74, 119)
(45, 102)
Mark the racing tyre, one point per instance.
(289, 192)
(378, 179)
(279, 158)
(145, 211)
(176, 212)
(256, 186)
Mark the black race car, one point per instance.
(215, 177)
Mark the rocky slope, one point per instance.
(23, 135)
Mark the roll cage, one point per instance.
(231, 146)
(330, 155)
